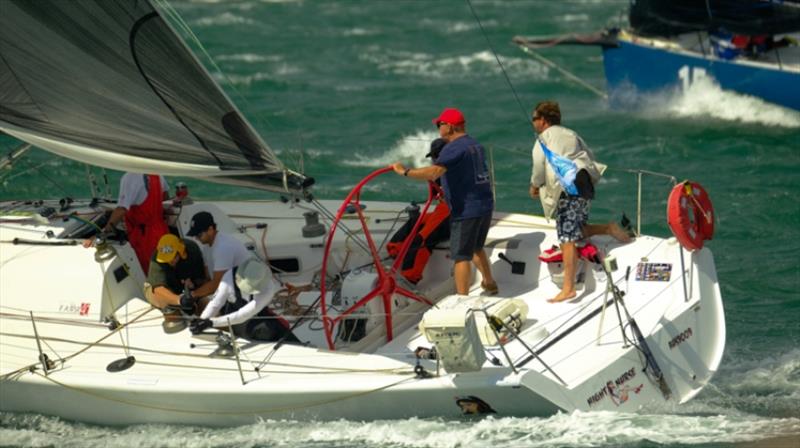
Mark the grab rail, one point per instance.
(495, 324)
(639, 174)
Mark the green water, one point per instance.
(351, 86)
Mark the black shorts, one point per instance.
(468, 236)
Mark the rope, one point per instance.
(220, 412)
(320, 369)
(706, 214)
(76, 323)
(286, 299)
(32, 367)
(85, 221)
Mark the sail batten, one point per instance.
(111, 84)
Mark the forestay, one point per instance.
(110, 83)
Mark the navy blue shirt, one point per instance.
(466, 183)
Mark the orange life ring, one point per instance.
(690, 215)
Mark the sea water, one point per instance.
(340, 88)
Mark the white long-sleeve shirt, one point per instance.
(226, 293)
(564, 142)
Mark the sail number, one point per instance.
(689, 75)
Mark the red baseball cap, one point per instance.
(450, 116)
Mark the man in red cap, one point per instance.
(468, 190)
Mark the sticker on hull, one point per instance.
(653, 272)
(680, 338)
(618, 390)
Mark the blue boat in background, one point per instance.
(745, 46)
(639, 65)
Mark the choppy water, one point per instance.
(349, 86)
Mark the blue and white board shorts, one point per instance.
(571, 215)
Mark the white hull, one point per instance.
(175, 380)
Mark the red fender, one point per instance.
(690, 215)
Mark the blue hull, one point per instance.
(653, 70)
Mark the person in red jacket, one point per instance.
(435, 229)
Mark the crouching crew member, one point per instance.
(176, 268)
(241, 301)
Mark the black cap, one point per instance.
(201, 221)
(436, 148)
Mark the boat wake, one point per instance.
(224, 19)
(410, 149)
(475, 65)
(578, 429)
(768, 386)
(735, 409)
(705, 98)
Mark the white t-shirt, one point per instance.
(133, 191)
(227, 252)
(226, 292)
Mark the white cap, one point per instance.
(253, 277)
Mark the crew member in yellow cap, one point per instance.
(177, 266)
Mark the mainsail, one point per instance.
(748, 17)
(111, 84)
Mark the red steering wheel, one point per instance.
(386, 283)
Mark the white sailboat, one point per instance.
(110, 84)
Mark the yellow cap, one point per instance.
(168, 246)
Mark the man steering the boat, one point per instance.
(467, 188)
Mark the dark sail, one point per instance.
(748, 17)
(110, 83)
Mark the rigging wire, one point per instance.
(8, 176)
(569, 75)
(191, 36)
(502, 68)
(51, 181)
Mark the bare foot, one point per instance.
(562, 296)
(618, 233)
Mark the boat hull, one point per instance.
(568, 356)
(639, 68)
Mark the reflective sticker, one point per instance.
(653, 272)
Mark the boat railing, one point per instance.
(497, 325)
(639, 188)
